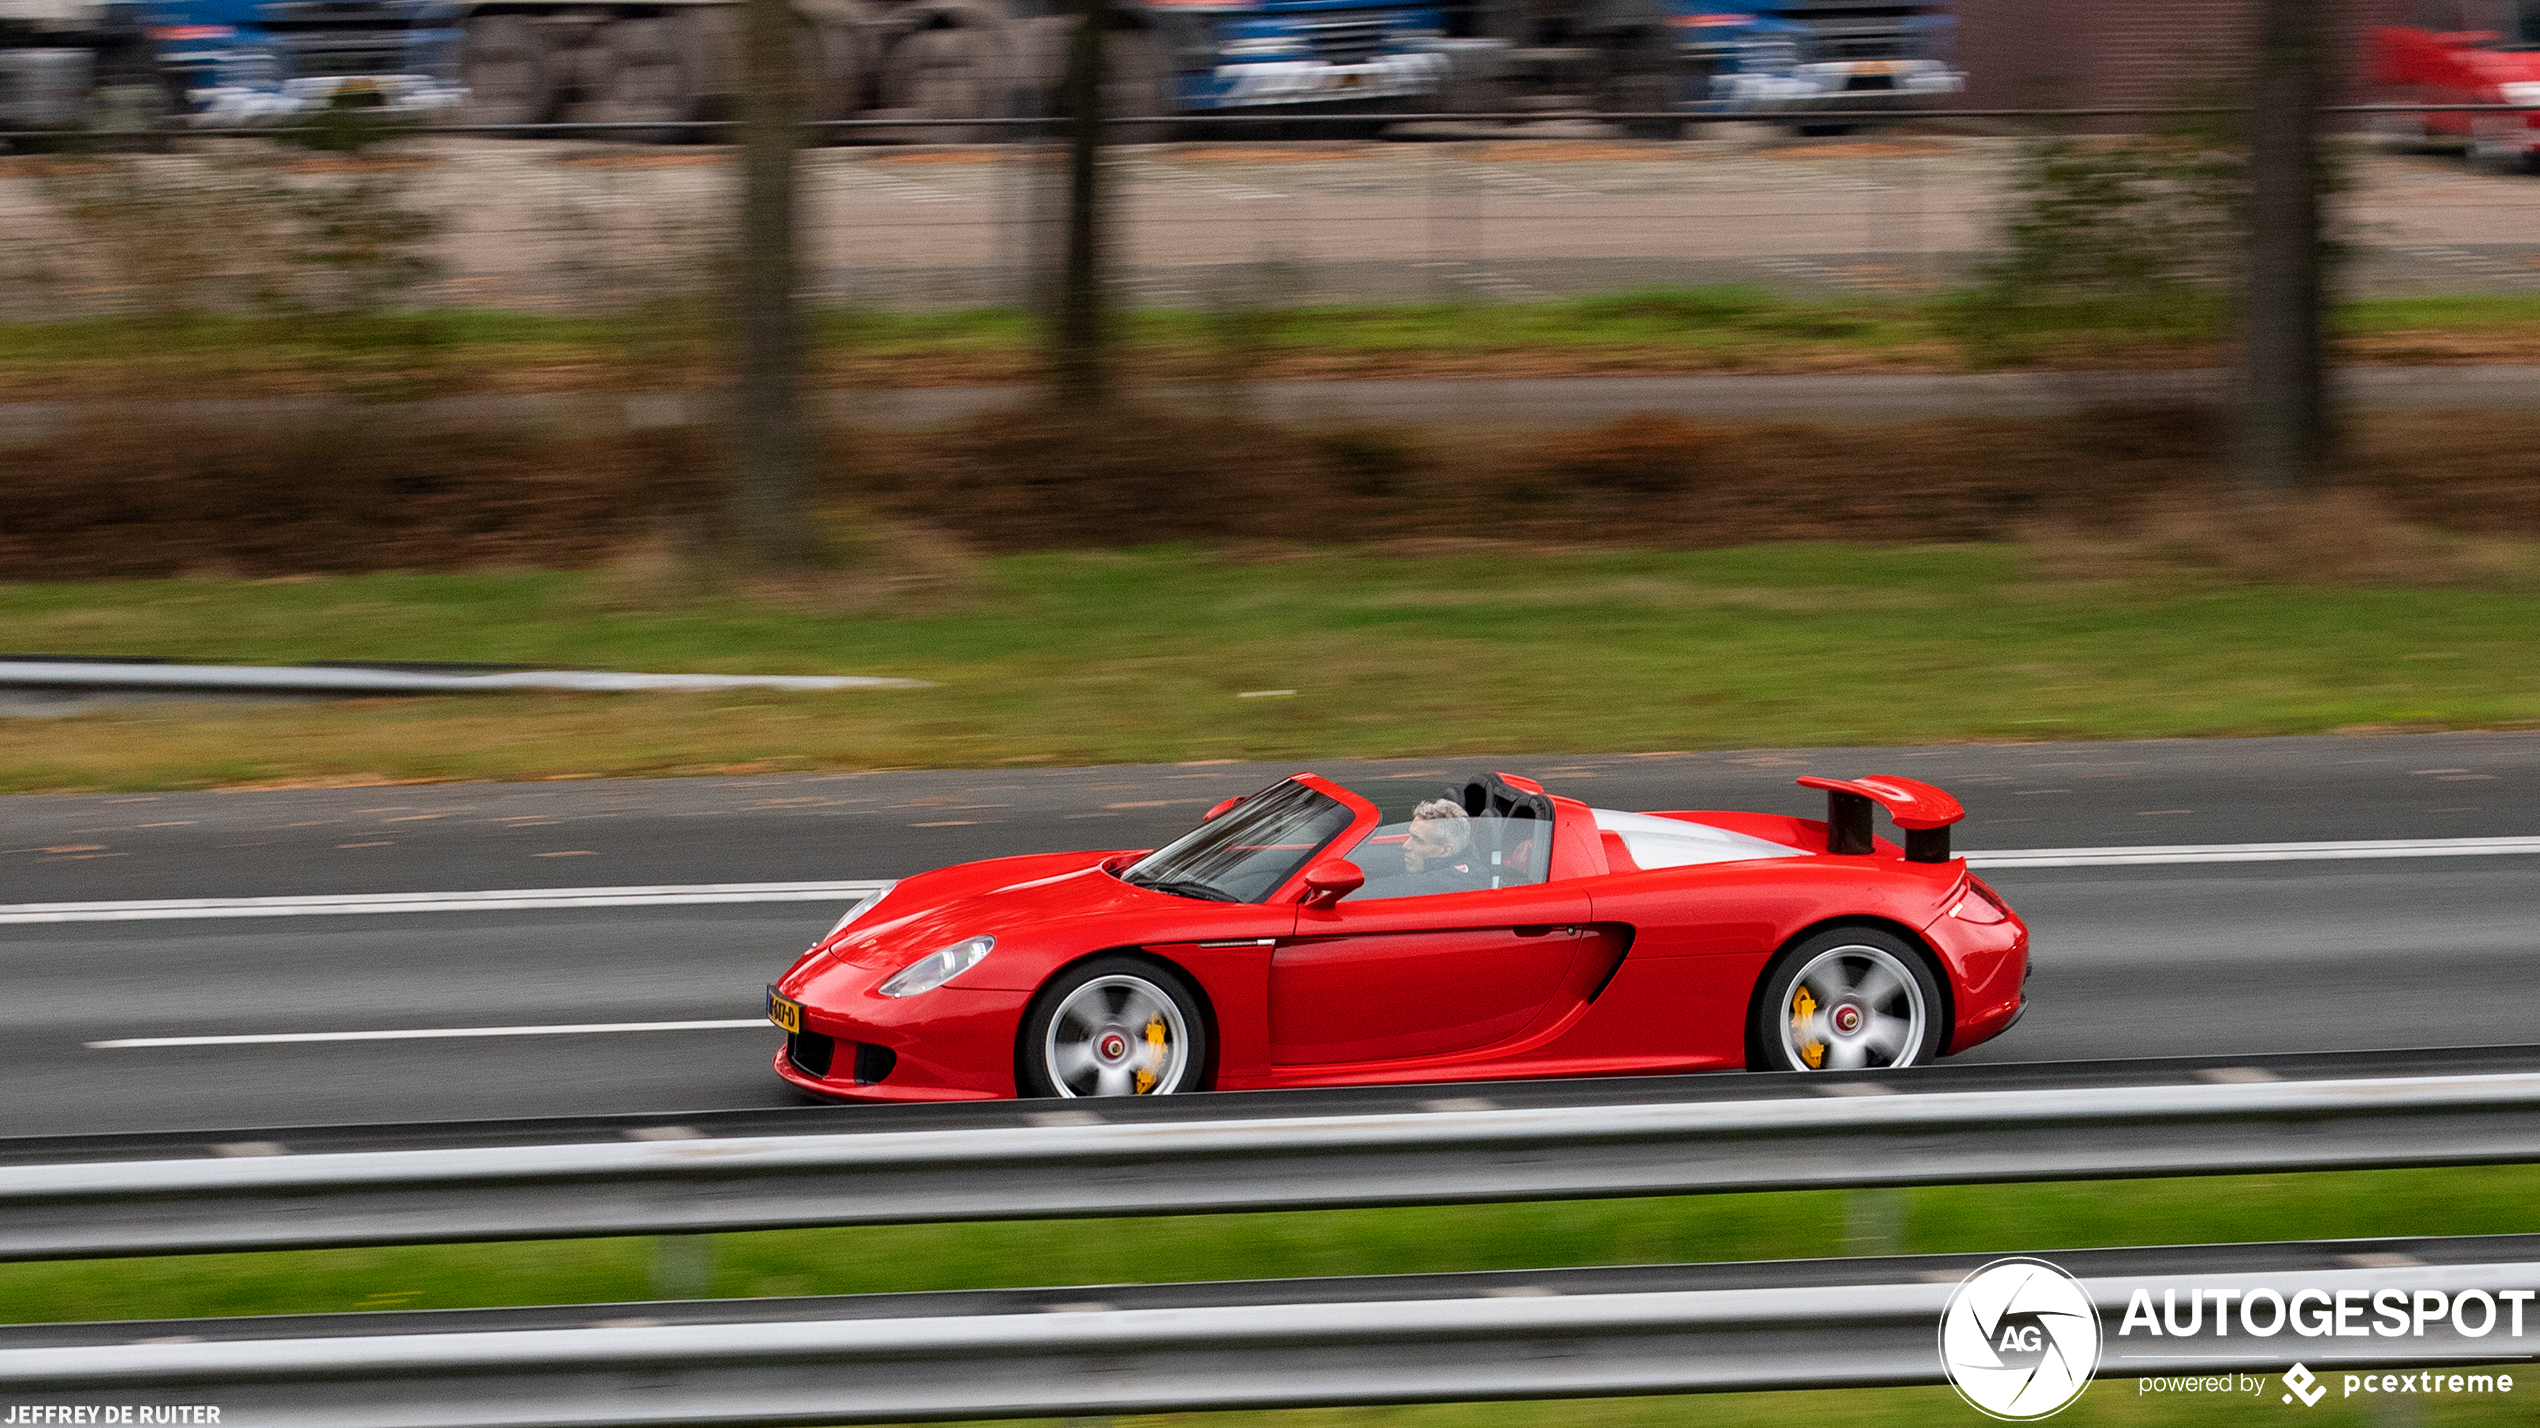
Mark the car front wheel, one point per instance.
(1115, 1026)
(1848, 999)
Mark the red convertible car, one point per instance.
(1300, 937)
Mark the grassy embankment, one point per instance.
(1142, 656)
(1669, 330)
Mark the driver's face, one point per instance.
(1429, 838)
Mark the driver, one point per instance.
(1437, 854)
(1440, 830)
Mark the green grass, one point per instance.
(2467, 314)
(1141, 656)
(675, 342)
(1421, 1240)
(1981, 1219)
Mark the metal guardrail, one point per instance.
(344, 680)
(1152, 1348)
(1851, 1134)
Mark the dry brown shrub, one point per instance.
(134, 499)
(1038, 479)
(1649, 454)
(2119, 493)
(2476, 472)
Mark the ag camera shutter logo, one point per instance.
(2020, 1339)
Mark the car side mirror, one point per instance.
(1219, 811)
(1328, 882)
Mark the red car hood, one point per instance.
(1057, 902)
(988, 899)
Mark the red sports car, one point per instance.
(1300, 937)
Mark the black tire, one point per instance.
(649, 74)
(2489, 150)
(1642, 94)
(842, 56)
(509, 69)
(132, 101)
(1136, 1027)
(1870, 1003)
(1137, 83)
(960, 64)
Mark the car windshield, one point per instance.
(1247, 852)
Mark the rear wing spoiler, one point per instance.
(1923, 811)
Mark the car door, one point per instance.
(1401, 977)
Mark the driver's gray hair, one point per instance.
(1449, 811)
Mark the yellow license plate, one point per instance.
(784, 1012)
(1877, 67)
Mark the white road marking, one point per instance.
(2252, 852)
(700, 893)
(514, 900)
(422, 1034)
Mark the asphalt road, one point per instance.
(2141, 961)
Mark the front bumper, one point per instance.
(950, 1044)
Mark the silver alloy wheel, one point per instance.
(1854, 1007)
(1117, 1036)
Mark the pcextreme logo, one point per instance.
(2301, 1383)
(2020, 1339)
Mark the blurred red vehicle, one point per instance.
(1297, 937)
(2466, 52)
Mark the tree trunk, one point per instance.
(2284, 418)
(1082, 358)
(770, 451)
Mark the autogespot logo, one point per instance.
(2020, 1339)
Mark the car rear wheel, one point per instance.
(1115, 1026)
(1848, 999)
(508, 67)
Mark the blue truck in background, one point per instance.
(1761, 58)
(74, 63)
(139, 64)
(1853, 56)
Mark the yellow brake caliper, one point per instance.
(1155, 1055)
(1803, 1009)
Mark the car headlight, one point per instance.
(932, 971)
(861, 908)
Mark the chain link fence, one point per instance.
(586, 224)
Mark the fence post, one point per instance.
(769, 447)
(2284, 419)
(1082, 359)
